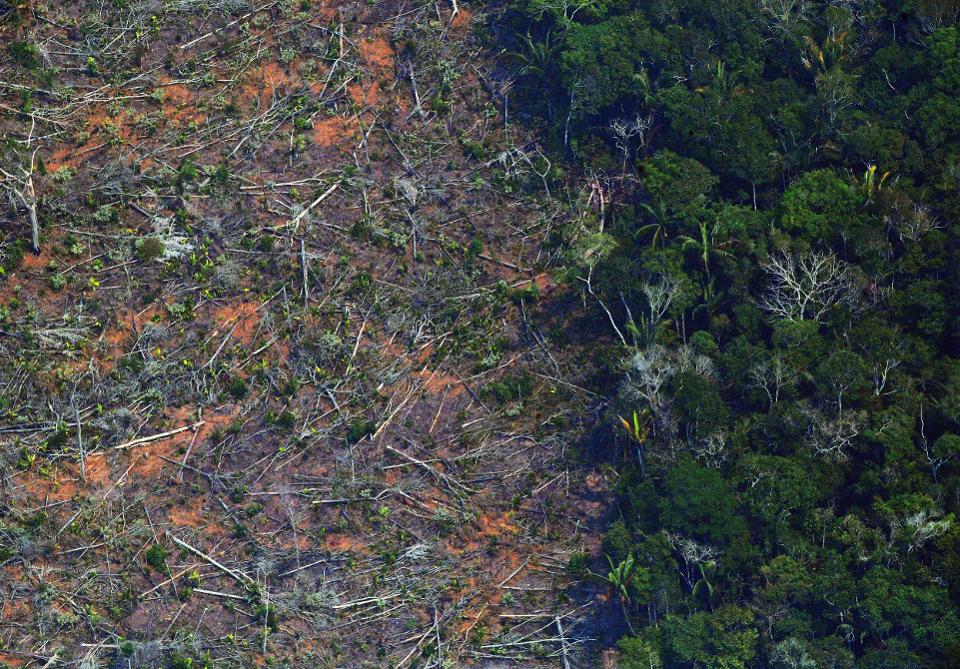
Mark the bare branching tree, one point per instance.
(944, 450)
(833, 436)
(689, 360)
(935, 14)
(916, 529)
(18, 185)
(881, 376)
(660, 295)
(628, 132)
(712, 450)
(772, 376)
(806, 287)
(693, 554)
(836, 91)
(785, 16)
(521, 161)
(913, 223)
(648, 371)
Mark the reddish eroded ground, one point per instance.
(239, 319)
(335, 131)
(346, 460)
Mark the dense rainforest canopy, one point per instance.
(772, 256)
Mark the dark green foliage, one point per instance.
(794, 500)
(696, 501)
(577, 566)
(638, 654)
(359, 429)
(177, 661)
(511, 388)
(617, 543)
(186, 173)
(286, 420)
(238, 388)
(604, 62)
(725, 639)
(149, 249)
(817, 204)
(156, 557)
(266, 614)
(25, 54)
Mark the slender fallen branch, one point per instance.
(169, 580)
(364, 601)
(242, 578)
(214, 593)
(156, 437)
(454, 484)
(186, 456)
(83, 454)
(323, 196)
(513, 573)
(305, 269)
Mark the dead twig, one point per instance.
(157, 437)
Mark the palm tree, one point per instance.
(661, 219)
(620, 580)
(540, 60)
(639, 431)
(707, 247)
(703, 587)
(822, 58)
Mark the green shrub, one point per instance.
(149, 249)
(156, 557)
(238, 388)
(25, 54)
(359, 429)
(578, 564)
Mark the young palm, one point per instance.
(703, 588)
(619, 579)
(661, 220)
(707, 247)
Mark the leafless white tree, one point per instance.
(568, 9)
(711, 451)
(881, 376)
(688, 360)
(915, 528)
(833, 436)
(692, 553)
(943, 451)
(18, 185)
(772, 376)
(648, 371)
(785, 16)
(806, 287)
(660, 294)
(911, 224)
(935, 14)
(836, 91)
(521, 161)
(626, 132)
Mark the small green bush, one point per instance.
(238, 388)
(156, 557)
(149, 249)
(25, 54)
(359, 429)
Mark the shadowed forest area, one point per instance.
(772, 263)
(396, 334)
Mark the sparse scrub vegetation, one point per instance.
(274, 343)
